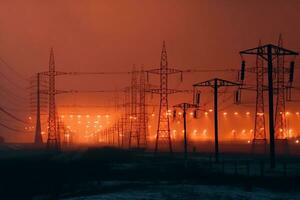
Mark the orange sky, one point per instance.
(112, 35)
(99, 34)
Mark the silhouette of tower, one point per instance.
(126, 118)
(53, 136)
(163, 130)
(280, 115)
(142, 111)
(270, 52)
(259, 123)
(38, 137)
(134, 133)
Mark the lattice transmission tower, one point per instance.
(53, 136)
(163, 135)
(270, 53)
(281, 132)
(259, 122)
(142, 111)
(134, 136)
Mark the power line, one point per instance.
(13, 70)
(11, 129)
(12, 94)
(193, 70)
(12, 82)
(12, 116)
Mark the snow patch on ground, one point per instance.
(182, 192)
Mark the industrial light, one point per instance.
(287, 113)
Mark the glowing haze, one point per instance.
(112, 35)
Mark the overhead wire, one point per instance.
(10, 128)
(21, 77)
(12, 116)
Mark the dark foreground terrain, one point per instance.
(108, 173)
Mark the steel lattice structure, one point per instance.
(134, 132)
(53, 136)
(163, 135)
(259, 122)
(126, 121)
(269, 52)
(142, 111)
(281, 132)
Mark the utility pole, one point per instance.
(38, 137)
(216, 83)
(268, 52)
(185, 107)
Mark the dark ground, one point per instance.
(28, 173)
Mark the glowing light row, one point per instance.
(168, 113)
(87, 116)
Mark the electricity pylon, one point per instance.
(163, 130)
(269, 52)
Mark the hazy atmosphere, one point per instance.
(124, 87)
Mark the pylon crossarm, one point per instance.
(254, 70)
(167, 91)
(220, 82)
(249, 88)
(262, 51)
(186, 105)
(166, 70)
